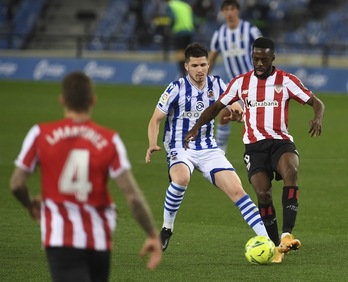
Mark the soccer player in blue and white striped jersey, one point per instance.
(234, 40)
(180, 106)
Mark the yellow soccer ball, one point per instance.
(260, 250)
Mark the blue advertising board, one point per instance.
(147, 73)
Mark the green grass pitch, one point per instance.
(209, 236)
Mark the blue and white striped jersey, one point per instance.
(184, 103)
(235, 46)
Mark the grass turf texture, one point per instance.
(209, 237)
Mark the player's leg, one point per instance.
(180, 174)
(288, 169)
(68, 264)
(220, 172)
(260, 174)
(263, 189)
(223, 130)
(229, 183)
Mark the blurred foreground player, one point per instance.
(76, 212)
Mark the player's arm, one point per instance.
(152, 133)
(319, 109)
(208, 114)
(212, 59)
(18, 186)
(142, 214)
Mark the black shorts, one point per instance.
(71, 265)
(181, 41)
(264, 156)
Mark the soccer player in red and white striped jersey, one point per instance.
(76, 212)
(269, 148)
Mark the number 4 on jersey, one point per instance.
(74, 177)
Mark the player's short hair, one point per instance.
(264, 43)
(226, 3)
(77, 90)
(195, 50)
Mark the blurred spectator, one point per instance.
(136, 8)
(204, 10)
(11, 11)
(182, 29)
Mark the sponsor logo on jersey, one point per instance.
(200, 106)
(257, 104)
(191, 114)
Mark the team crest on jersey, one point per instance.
(245, 91)
(278, 88)
(164, 98)
(210, 93)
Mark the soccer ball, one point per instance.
(259, 250)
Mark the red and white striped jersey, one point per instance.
(266, 103)
(76, 160)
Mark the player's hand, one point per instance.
(235, 115)
(315, 127)
(152, 246)
(35, 209)
(190, 136)
(150, 151)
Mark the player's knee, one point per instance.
(264, 196)
(290, 174)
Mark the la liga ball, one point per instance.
(260, 250)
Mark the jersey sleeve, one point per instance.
(231, 93)
(120, 163)
(27, 158)
(167, 97)
(297, 90)
(254, 33)
(214, 43)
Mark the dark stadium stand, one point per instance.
(19, 25)
(123, 25)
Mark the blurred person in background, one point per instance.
(234, 40)
(182, 26)
(76, 212)
(270, 152)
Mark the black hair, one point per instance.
(77, 90)
(195, 50)
(234, 3)
(264, 43)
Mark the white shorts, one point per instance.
(208, 162)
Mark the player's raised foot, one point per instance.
(278, 257)
(288, 243)
(165, 236)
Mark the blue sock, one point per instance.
(174, 196)
(251, 215)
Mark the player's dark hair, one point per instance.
(77, 90)
(226, 3)
(195, 50)
(264, 42)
